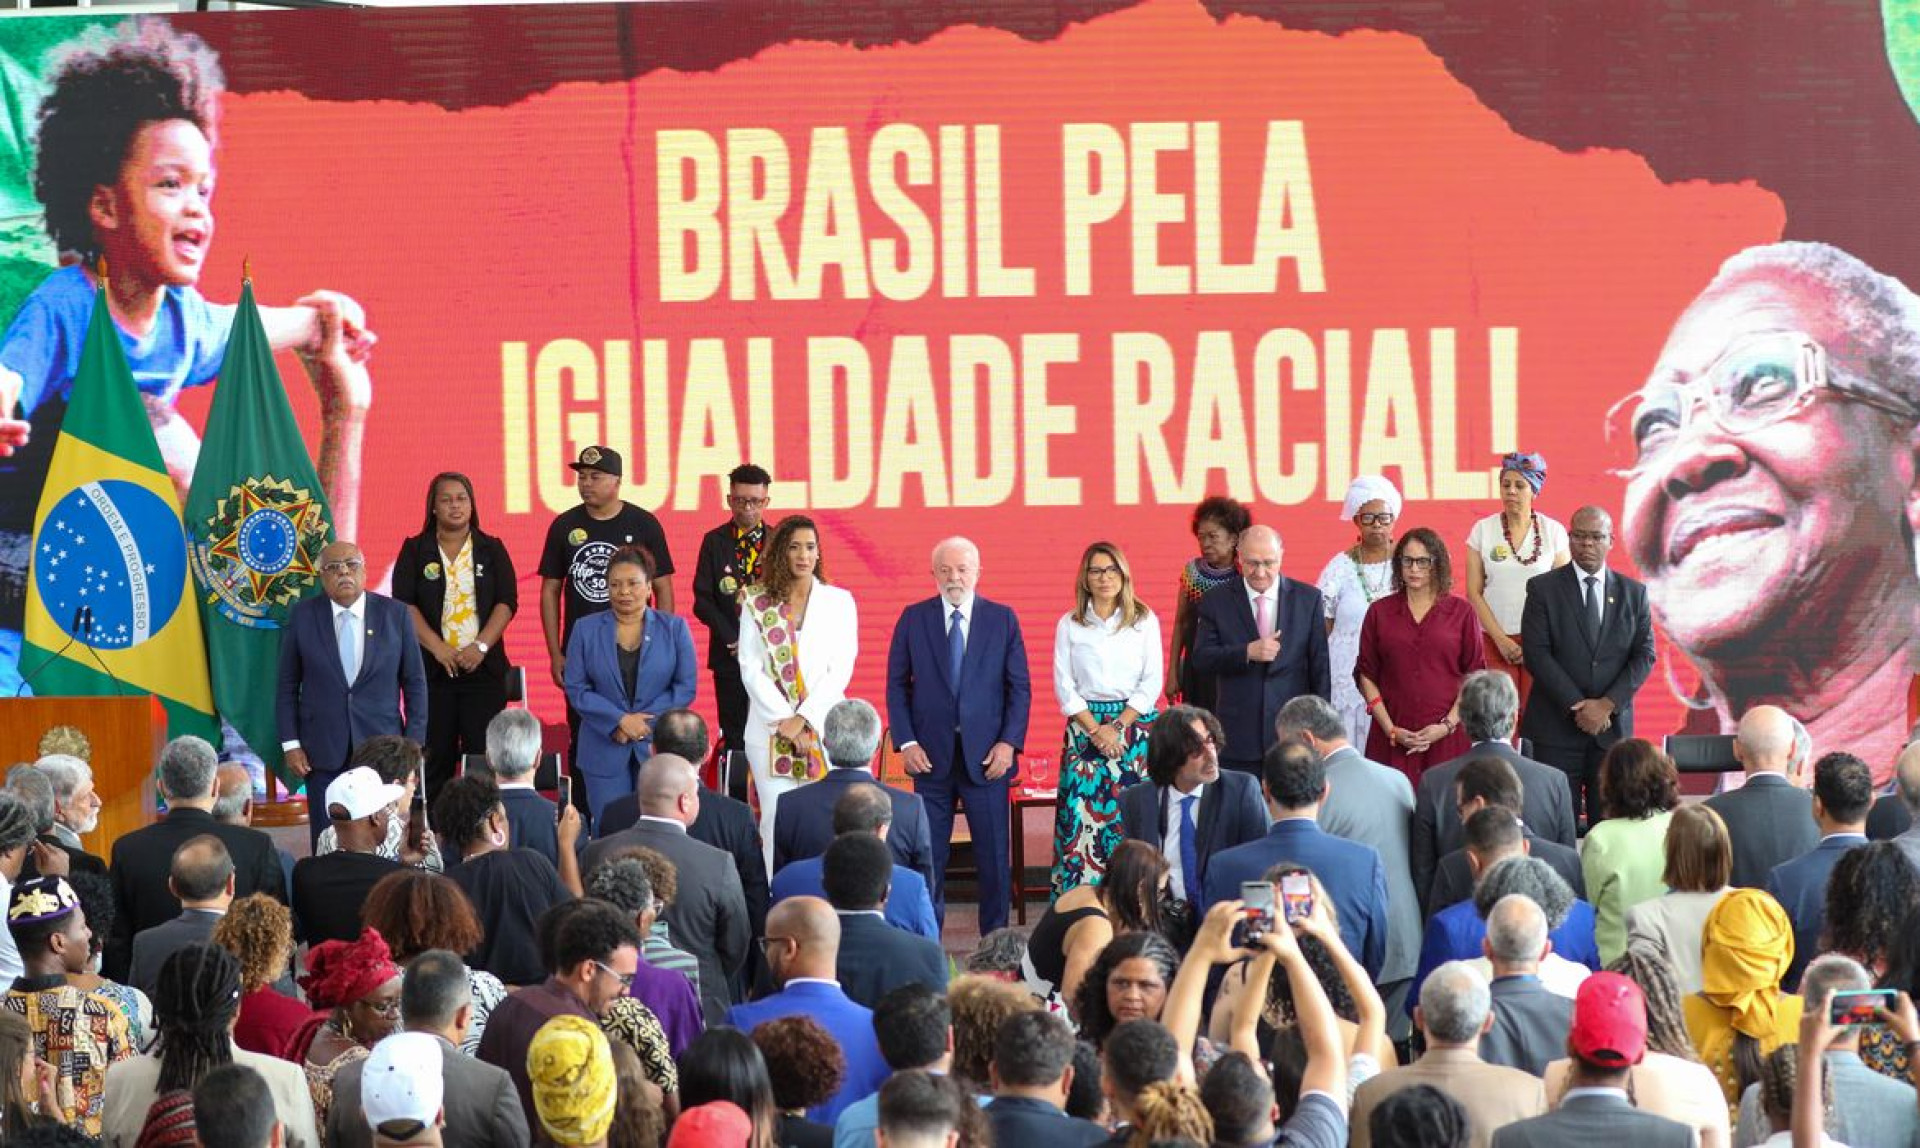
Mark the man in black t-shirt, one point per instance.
(329, 889)
(573, 564)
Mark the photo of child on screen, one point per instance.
(125, 171)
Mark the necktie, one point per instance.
(1593, 603)
(1189, 850)
(956, 649)
(349, 664)
(1263, 616)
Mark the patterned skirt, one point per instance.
(1086, 824)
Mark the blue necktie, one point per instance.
(343, 627)
(1189, 850)
(956, 649)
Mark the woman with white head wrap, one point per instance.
(1351, 582)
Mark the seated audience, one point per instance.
(1842, 794)
(81, 1034)
(234, 1108)
(1134, 897)
(850, 738)
(805, 1067)
(1623, 856)
(1739, 1015)
(417, 911)
(1455, 1009)
(95, 891)
(328, 889)
(914, 1026)
(864, 809)
(1419, 1117)
(258, 931)
(1530, 879)
(1698, 865)
(803, 946)
(1769, 819)
(875, 956)
(979, 1006)
(1607, 1038)
(1295, 783)
(921, 1110)
(1670, 1081)
(356, 987)
(202, 878)
(1032, 1073)
(570, 1071)
(510, 889)
(724, 1067)
(622, 883)
(397, 760)
(1128, 981)
(480, 1105)
(513, 755)
(1530, 1021)
(1484, 782)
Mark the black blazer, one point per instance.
(493, 585)
(1250, 694)
(1770, 821)
(1019, 1120)
(1568, 664)
(724, 823)
(876, 958)
(152, 947)
(1545, 798)
(717, 610)
(532, 822)
(1231, 813)
(1595, 1122)
(78, 860)
(803, 825)
(1452, 878)
(143, 861)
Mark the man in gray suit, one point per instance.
(202, 878)
(1769, 819)
(1372, 804)
(1906, 794)
(1609, 1037)
(709, 918)
(479, 1101)
(1529, 1021)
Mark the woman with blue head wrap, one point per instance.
(1504, 552)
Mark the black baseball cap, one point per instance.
(606, 460)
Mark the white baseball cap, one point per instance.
(361, 793)
(401, 1081)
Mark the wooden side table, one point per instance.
(1021, 800)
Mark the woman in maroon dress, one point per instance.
(1415, 647)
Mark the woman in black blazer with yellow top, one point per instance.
(458, 583)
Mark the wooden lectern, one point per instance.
(127, 735)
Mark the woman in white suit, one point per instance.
(799, 637)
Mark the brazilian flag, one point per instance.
(257, 521)
(109, 596)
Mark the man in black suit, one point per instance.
(76, 807)
(143, 860)
(513, 755)
(1186, 787)
(1769, 819)
(35, 788)
(729, 561)
(1488, 782)
(350, 669)
(1489, 706)
(202, 877)
(803, 825)
(1032, 1072)
(1588, 638)
(709, 917)
(1264, 637)
(875, 957)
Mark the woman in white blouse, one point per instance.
(1504, 552)
(1107, 674)
(799, 637)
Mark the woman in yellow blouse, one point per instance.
(1740, 1015)
(1624, 857)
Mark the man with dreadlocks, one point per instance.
(80, 1033)
(196, 1001)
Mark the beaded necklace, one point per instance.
(1538, 541)
(1371, 592)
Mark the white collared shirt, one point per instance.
(658, 820)
(966, 616)
(1176, 828)
(1599, 586)
(1107, 662)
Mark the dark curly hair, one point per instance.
(416, 910)
(95, 894)
(1637, 780)
(1279, 1004)
(775, 575)
(1868, 896)
(804, 1062)
(464, 806)
(1436, 549)
(101, 92)
(1420, 1116)
(1090, 1002)
(1230, 513)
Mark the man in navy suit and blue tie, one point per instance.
(350, 669)
(1264, 637)
(957, 701)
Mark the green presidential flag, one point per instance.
(257, 521)
(109, 597)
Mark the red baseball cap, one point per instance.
(717, 1123)
(1609, 1022)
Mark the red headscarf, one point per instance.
(342, 972)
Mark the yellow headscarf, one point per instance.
(571, 1068)
(1745, 950)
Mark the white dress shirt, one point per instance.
(1176, 828)
(1107, 662)
(1599, 587)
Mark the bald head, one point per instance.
(669, 787)
(1260, 552)
(343, 572)
(1516, 935)
(233, 794)
(803, 939)
(1764, 741)
(202, 872)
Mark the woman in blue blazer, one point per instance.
(625, 667)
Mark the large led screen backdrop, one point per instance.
(1043, 274)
